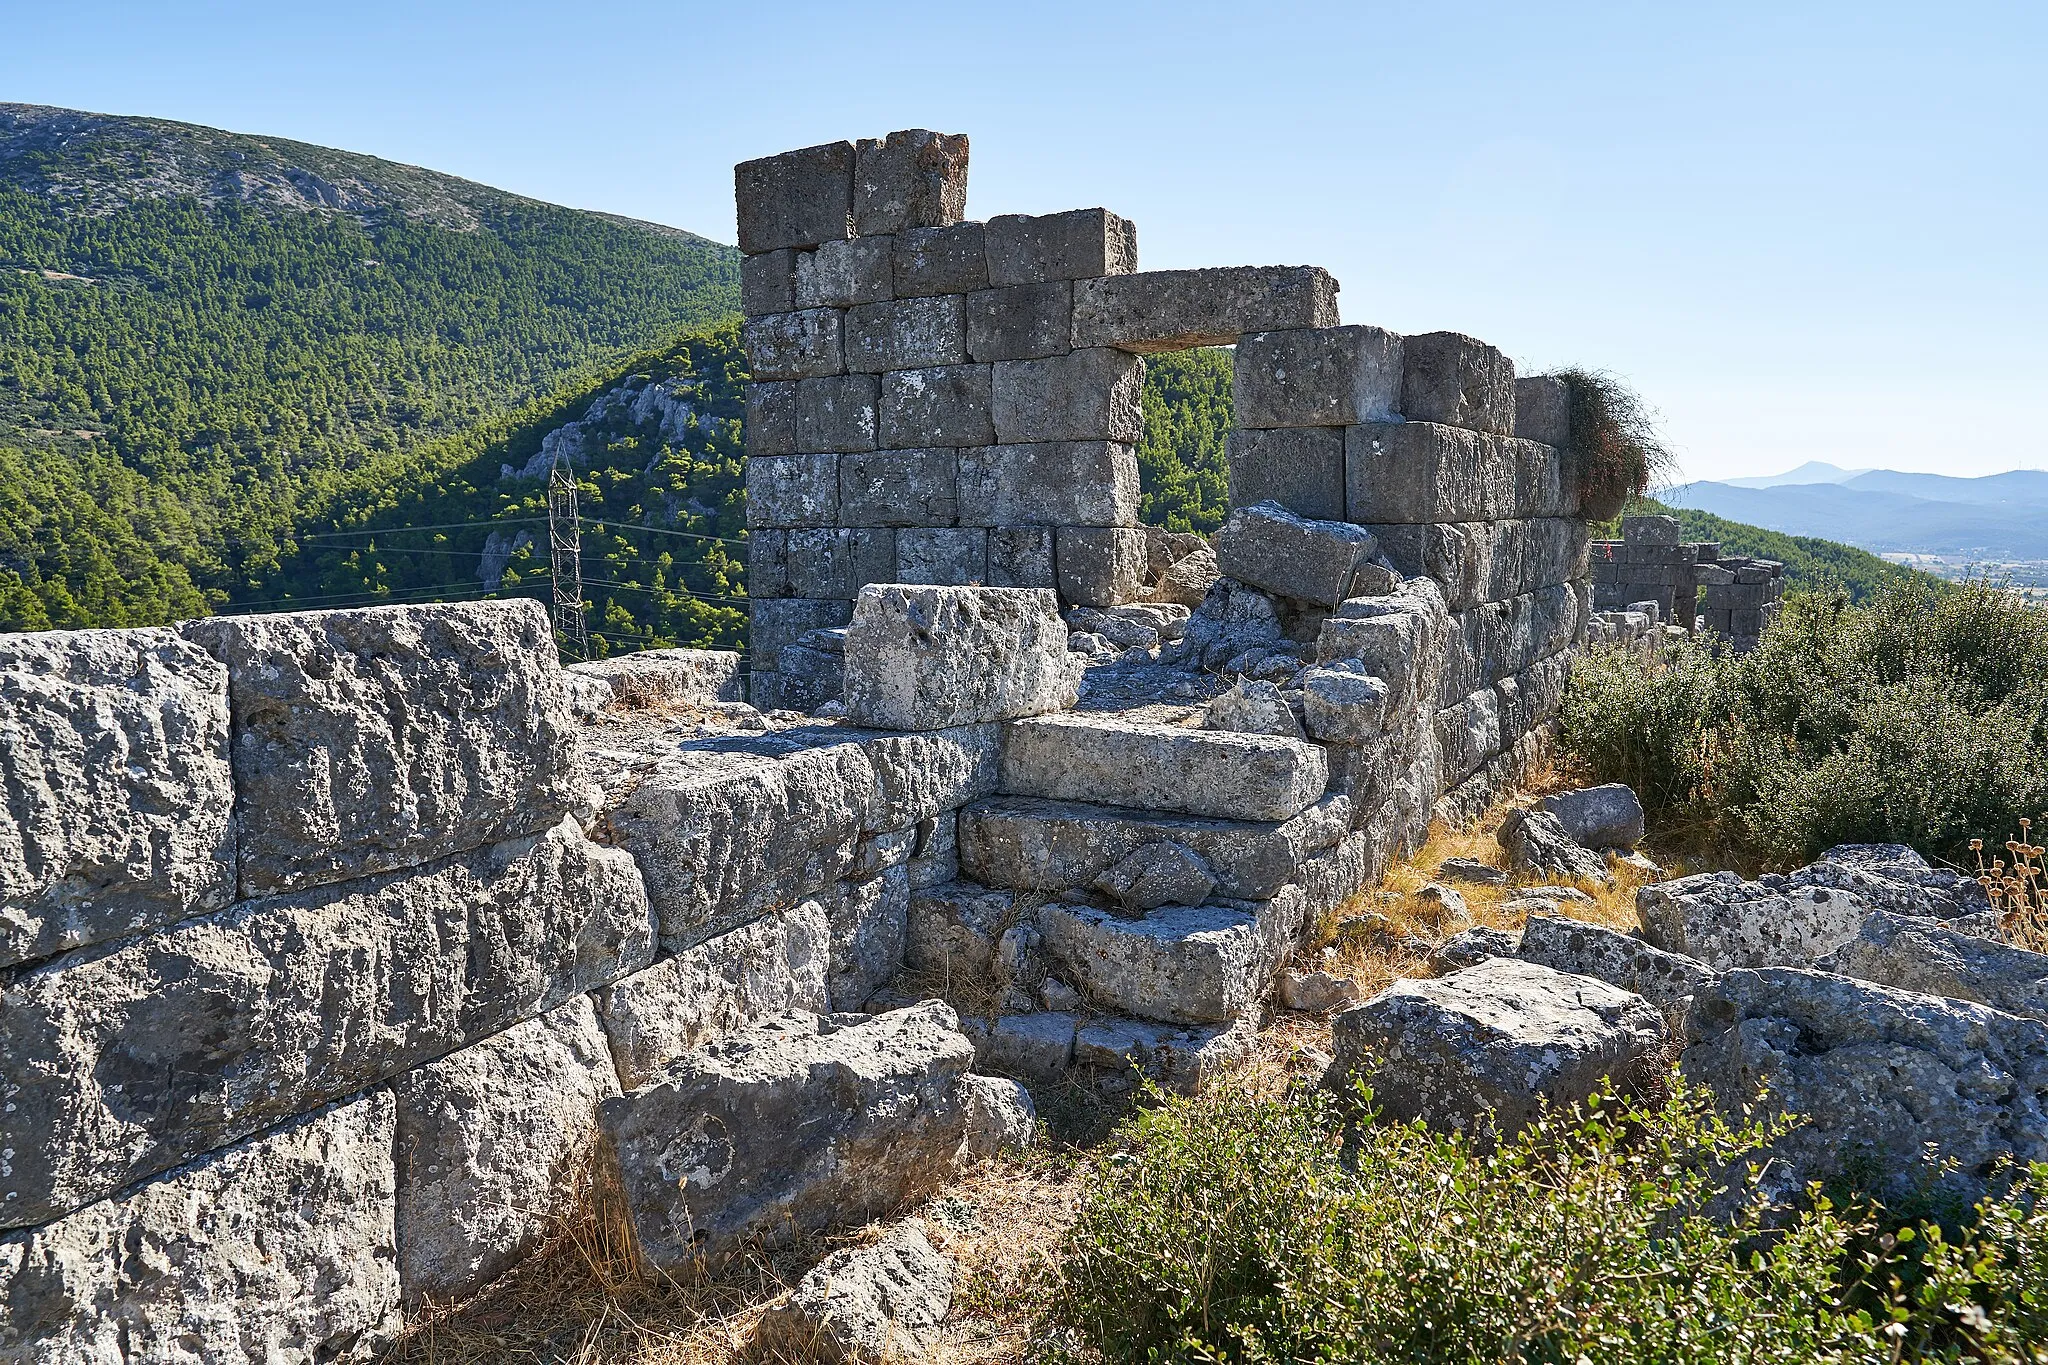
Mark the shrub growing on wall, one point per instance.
(1615, 446)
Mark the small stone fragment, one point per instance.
(1156, 874)
(872, 1305)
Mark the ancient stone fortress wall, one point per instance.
(1687, 584)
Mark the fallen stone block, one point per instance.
(947, 260)
(1536, 842)
(1667, 980)
(1099, 566)
(1343, 705)
(1021, 322)
(1172, 310)
(1454, 379)
(1178, 964)
(932, 658)
(1001, 1117)
(131, 1059)
(844, 273)
(1161, 767)
(382, 737)
(1543, 410)
(1935, 959)
(1076, 245)
(874, 1305)
(1058, 483)
(798, 198)
(1727, 923)
(1891, 877)
(1317, 377)
(944, 405)
(1319, 562)
(776, 965)
(1253, 706)
(797, 1123)
(277, 1249)
(1399, 639)
(653, 679)
(1086, 395)
(119, 797)
(1468, 947)
(1472, 870)
(1300, 468)
(1317, 992)
(1156, 874)
(1484, 1050)
(1599, 817)
(489, 1141)
(1885, 1075)
(913, 178)
(800, 345)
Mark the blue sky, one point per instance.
(1804, 232)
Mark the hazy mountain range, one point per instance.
(1994, 517)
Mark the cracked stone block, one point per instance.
(954, 930)
(914, 178)
(1324, 563)
(1157, 874)
(1343, 705)
(844, 273)
(1080, 244)
(949, 557)
(1180, 964)
(1058, 483)
(1178, 1058)
(792, 490)
(1161, 767)
(869, 923)
(1421, 471)
(119, 795)
(1928, 956)
(381, 737)
(906, 334)
(883, 1304)
(798, 198)
(900, 488)
(1728, 923)
(768, 283)
(930, 658)
(799, 345)
(1667, 980)
(1021, 557)
(1100, 566)
(948, 260)
(1021, 322)
(837, 413)
(1301, 468)
(1039, 1045)
(948, 405)
(1172, 310)
(1543, 413)
(1453, 379)
(1317, 377)
(1489, 561)
(1090, 395)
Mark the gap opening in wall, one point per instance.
(1183, 477)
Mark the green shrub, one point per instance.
(1235, 1228)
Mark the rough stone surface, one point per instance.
(1416, 471)
(1481, 1050)
(129, 1060)
(1039, 1045)
(1668, 980)
(914, 178)
(1176, 1057)
(1468, 947)
(837, 413)
(1253, 706)
(948, 260)
(1932, 958)
(1319, 562)
(792, 490)
(1343, 705)
(844, 273)
(1599, 817)
(800, 1122)
(798, 198)
(1537, 842)
(1061, 483)
(775, 965)
(488, 1143)
(1300, 468)
(1172, 310)
(1077, 245)
(382, 737)
(954, 930)
(1100, 566)
(1543, 410)
(942, 405)
(1726, 922)
(1891, 877)
(1178, 964)
(930, 658)
(869, 921)
(1489, 561)
(1451, 378)
(1021, 322)
(1319, 377)
(906, 334)
(1317, 992)
(1472, 870)
(801, 345)
(118, 797)
(1884, 1073)
(1161, 767)
(655, 678)
(1087, 395)
(1000, 1117)
(874, 1305)
(275, 1251)
(1156, 874)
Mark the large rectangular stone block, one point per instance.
(1459, 381)
(1424, 471)
(792, 490)
(278, 1249)
(776, 622)
(1323, 563)
(906, 334)
(1301, 468)
(1021, 322)
(1071, 483)
(900, 488)
(932, 658)
(1171, 310)
(1544, 483)
(1489, 561)
(654, 679)
(1469, 734)
(948, 405)
(948, 260)
(820, 564)
(798, 198)
(1021, 557)
(116, 793)
(1495, 640)
(1090, 395)
(381, 737)
(768, 283)
(1543, 410)
(844, 273)
(768, 564)
(490, 1140)
(125, 1061)
(1077, 245)
(771, 419)
(1317, 377)
(796, 345)
(913, 178)
(837, 413)
(1100, 566)
(942, 555)
(1110, 761)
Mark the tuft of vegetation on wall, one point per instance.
(1614, 442)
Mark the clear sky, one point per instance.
(1809, 231)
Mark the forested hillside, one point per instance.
(211, 345)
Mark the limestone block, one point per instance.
(1544, 485)
(906, 334)
(1316, 992)
(1058, 483)
(1077, 245)
(1037, 845)
(1482, 1050)
(1253, 706)
(1893, 877)
(954, 929)
(382, 737)
(947, 260)
(1667, 980)
(1002, 1117)
(1650, 530)
(900, 488)
(841, 274)
(795, 1123)
(768, 283)
(914, 178)
(882, 1304)
(955, 558)
(798, 198)
(795, 345)
(1301, 468)
(1161, 767)
(771, 419)
(837, 413)
(277, 1249)
(651, 679)
(792, 490)
(1399, 639)
(808, 676)
(1496, 640)
(1468, 734)
(1021, 322)
(1727, 923)
(930, 658)
(1927, 956)
(1318, 562)
(1536, 842)
(819, 563)
(935, 857)
(1178, 1058)
(779, 622)
(1422, 471)
(131, 1059)
(1323, 376)
(1100, 566)
(1543, 410)
(775, 965)
(1180, 964)
(1089, 395)
(488, 1143)
(948, 405)
(1021, 557)
(1607, 816)
(1489, 561)
(1171, 310)
(869, 922)
(1156, 874)
(1458, 381)
(1343, 705)
(118, 795)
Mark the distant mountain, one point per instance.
(1813, 471)
(210, 343)
(2016, 487)
(1870, 513)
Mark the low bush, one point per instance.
(1246, 1229)
(1615, 447)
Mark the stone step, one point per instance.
(1148, 766)
(1107, 1052)
(1179, 964)
(1027, 843)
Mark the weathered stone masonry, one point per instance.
(1692, 585)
